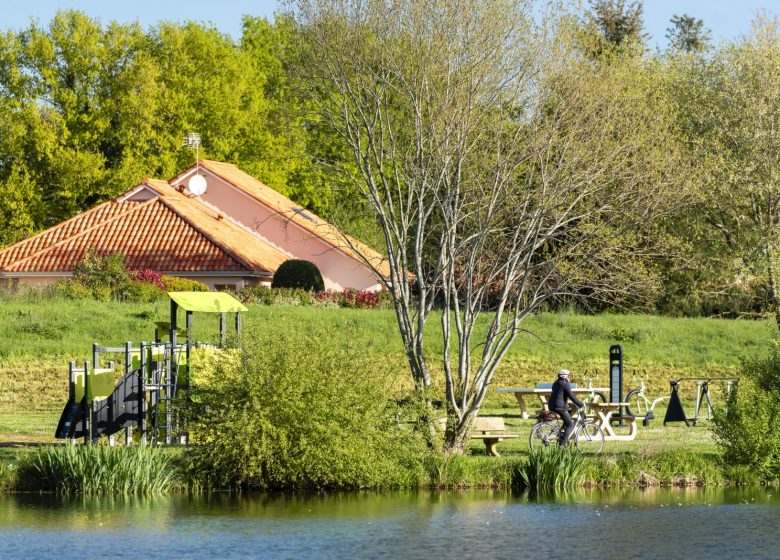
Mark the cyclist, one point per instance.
(561, 391)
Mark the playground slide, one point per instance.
(120, 409)
(70, 416)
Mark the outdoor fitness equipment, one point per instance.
(675, 411)
(156, 381)
(638, 403)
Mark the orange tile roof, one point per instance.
(62, 231)
(168, 233)
(149, 234)
(299, 215)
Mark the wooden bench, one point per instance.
(491, 430)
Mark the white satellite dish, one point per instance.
(197, 185)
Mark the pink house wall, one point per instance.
(338, 270)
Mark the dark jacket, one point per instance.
(561, 390)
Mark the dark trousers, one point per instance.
(568, 423)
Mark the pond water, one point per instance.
(689, 523)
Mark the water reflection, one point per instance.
(651, 523)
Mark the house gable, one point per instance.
(278, 221)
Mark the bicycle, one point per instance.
(587, 436)
(639, 405)
(593, 395)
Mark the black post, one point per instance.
(174, 309)
(222, 328)
(616, 376)
(128, 369)
(142, 394)
(87, 407)
(72, 393)
(238, 324)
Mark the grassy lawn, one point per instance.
(38, 337)
(653, 439)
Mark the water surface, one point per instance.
(690, 523)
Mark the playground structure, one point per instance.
(155, 385)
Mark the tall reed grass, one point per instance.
(93, 470)
(551, 469)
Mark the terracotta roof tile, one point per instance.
(150, 235)
(62, 231)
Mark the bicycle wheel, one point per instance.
(637, 404)
(589, 438)
(543, 434)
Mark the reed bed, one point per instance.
(95, 470)
(551, 469)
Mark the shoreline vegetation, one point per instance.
(147, 470)
(347, 436)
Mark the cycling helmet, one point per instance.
(564, 373)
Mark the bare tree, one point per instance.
(500, 174)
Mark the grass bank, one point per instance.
(39, 336)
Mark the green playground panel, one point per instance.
(207, 302)
(101, 384)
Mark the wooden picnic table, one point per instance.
(604, 416)
(543, 393)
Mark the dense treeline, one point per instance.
(87, 109)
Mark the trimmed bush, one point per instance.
(178, 284)
(296, 273)
(276, 296)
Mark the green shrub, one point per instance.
(103, 274)
(296, 273)
(179, 284)
(276, 296)
(746, 428)
(68, 289)
(99, 469)
(297, 410)
(142, 292)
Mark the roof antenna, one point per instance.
(197, 184)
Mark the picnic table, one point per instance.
(543, 394)
(604, 415)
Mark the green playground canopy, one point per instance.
(207, 302)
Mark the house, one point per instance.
(233, 234)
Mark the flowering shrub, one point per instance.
(149, 276)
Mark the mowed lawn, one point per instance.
(39, 336)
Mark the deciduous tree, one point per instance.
(504, 170)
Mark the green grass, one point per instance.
(39, 336)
